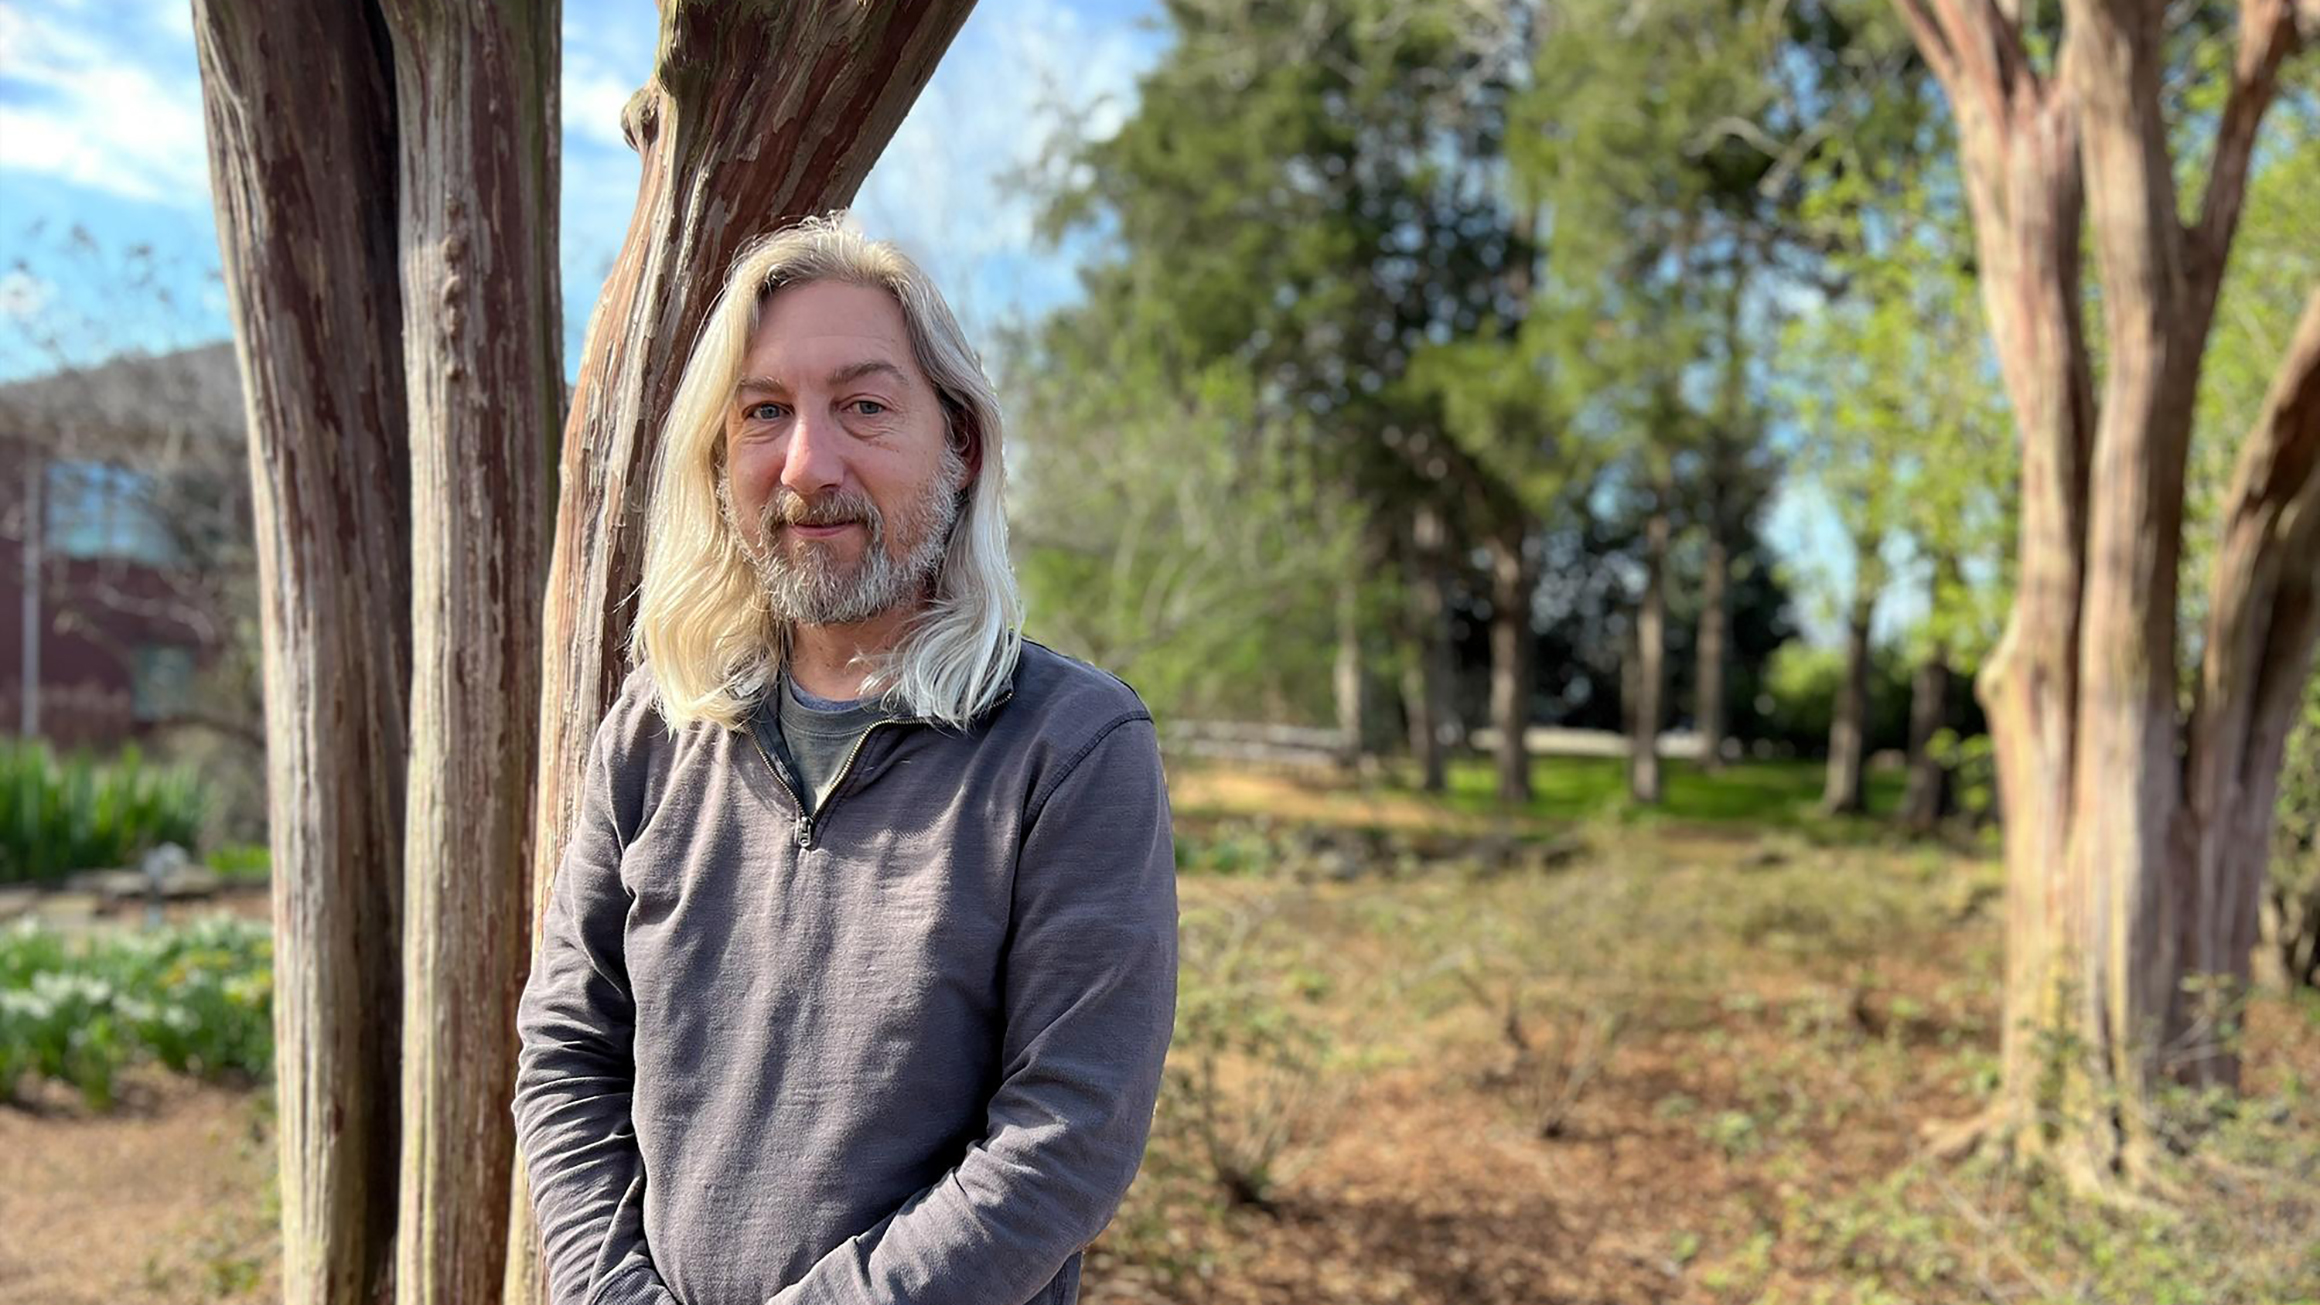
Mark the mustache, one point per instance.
(786, 507)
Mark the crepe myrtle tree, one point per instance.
(2137, 815)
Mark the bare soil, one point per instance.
(162, 1200)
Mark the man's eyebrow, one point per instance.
(850, 372)
(856, 371)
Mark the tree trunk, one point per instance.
(2292, 920)
(1426, 681)
(1347, 675)
(1646, 711)
(476, 89)
(1715, 618)
(2263, 620)
(1727, 460)
(1922, 799)
(729, 150)
(299, 107)
(1844, 792)
(1510, 663)
(2129, 864)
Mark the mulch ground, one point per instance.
(1421, 1183)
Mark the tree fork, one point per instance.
(2108, 910)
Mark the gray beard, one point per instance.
(805, 583)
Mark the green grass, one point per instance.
(251, 862)
(1769, 794)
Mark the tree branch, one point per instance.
(2267, 36)
(1984, 45)
(2261, 590)
(1931, 40)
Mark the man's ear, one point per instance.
(965, 437)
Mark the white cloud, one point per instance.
(82, 112)
(593, 97)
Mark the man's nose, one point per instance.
(811, 465)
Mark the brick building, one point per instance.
(125, 558)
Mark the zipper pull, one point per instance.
(805, 831)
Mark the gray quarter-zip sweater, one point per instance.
(904, 1050)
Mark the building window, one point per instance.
(96, 510)
(160, 681)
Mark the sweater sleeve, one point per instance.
(1089, 1005)
(574, 1071)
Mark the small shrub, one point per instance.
(198, 999)
(1247, 1069)
(1232, 848)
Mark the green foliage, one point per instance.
(197, 999)
(241, 861)
(1972, 762)
(1659, 144)
(1908, 434)
(1772, 794)
(1924, 1234)
(2275, 263)
(1168, 536)
(1233, 848)
(1222, 446)
(1800, 688)
(77, 813)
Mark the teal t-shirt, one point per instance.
(814, 736)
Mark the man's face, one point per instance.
(839, 480)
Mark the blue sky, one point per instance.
(107, 240)
(101, 130)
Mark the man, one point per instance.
(858, 973)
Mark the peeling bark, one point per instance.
(476, 92)
(300, 114)
(2263, 619)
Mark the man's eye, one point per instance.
(768, 411)
(869, 407)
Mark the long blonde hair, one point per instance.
(704, 625)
